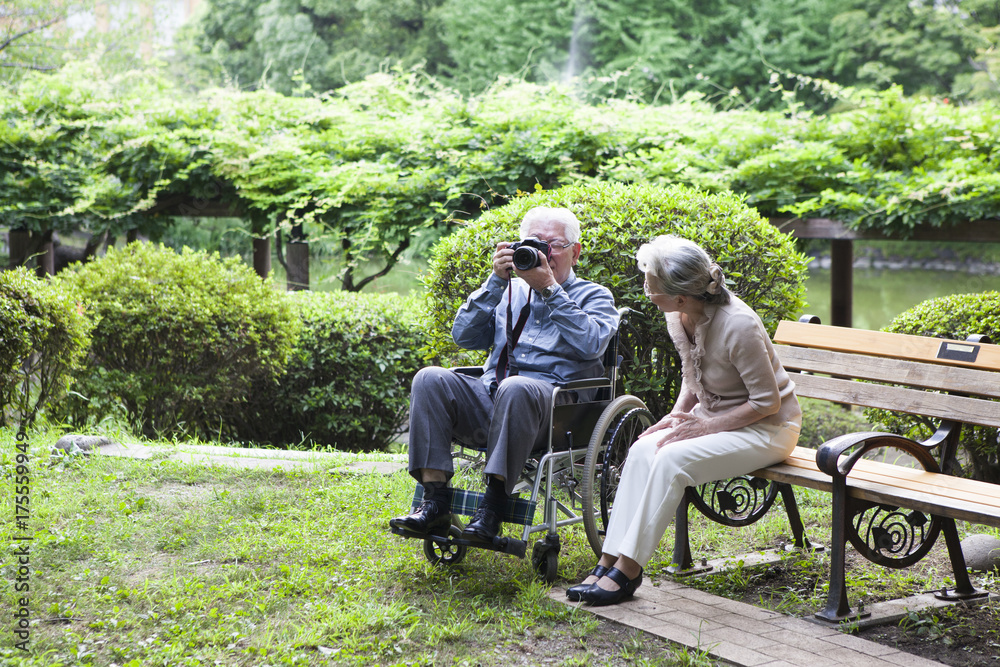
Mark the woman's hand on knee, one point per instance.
(685, 427)
(667, 422)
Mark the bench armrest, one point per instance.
(838, 456)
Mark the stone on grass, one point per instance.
(76, 443)
(982, 552)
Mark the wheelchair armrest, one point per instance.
(590, 383)
(472, 371)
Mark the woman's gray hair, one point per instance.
(682, 268)
(571, 226)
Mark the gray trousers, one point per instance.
(445, 405)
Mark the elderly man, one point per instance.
(563, 325)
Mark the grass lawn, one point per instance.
(164, 563)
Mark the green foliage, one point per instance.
(293, 46)
(724, 51)
(822, 421)
(37, 35)
(181, 340)
(89, 151)
(347, 383)
(922, 46)
(392, 158)
(956, 317)
(760, 263)
(44, 335)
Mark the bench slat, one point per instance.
(803, 462)
(958, 498)
(897, 346)
(899, 399)
(881, 369)
(947, 487)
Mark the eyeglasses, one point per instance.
(557, 244)
(645, 290)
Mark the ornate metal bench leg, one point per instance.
(964, 590)
(794, 519)
(837, 607)
(682, 546)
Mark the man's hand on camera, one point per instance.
(539, 277)
(503, 261)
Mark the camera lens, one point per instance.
(525, 258)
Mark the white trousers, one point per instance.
(653, 480)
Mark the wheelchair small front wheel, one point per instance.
(446, 552)
(546, 564)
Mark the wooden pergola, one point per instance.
(842, 250)
(841, 239)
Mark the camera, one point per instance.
(526, 253)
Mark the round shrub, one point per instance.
(956, 316)
(822, 421)
(761, 265)
(181, 340)
(347, 383)
(44, 335)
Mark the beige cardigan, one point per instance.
(732, 362)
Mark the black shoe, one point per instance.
(599, 597)
(573, 593)
(484, 525)
(430, 517)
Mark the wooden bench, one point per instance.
(891, 514)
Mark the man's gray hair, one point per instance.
(570, 223)
(682, 268)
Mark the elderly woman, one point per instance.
(736, 412)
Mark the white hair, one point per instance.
(682, 268)
(564, 216)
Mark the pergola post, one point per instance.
(841, 282)
(18, 241)
(262, 256)
(46, 261)
(297, 258)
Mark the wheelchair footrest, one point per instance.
(404, 532)
(507, 545)
(466, 502)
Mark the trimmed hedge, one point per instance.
(44, 335)
(347, 383)
(191, 344)
(956, 316)
(181, 340)
(761, 266)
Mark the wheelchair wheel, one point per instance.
(547, 565)
(618, 427)
(446, 553)
(545, 559)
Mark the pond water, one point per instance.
(879, 294)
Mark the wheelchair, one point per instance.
(575, 483)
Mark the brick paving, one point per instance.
(742, 634)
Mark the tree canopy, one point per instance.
(725, 50)
(40, 35)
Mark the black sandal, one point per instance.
(599, 597)
(573, 593)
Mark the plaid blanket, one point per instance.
(465, 502)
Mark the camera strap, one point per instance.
(507, 363)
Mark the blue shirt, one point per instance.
(563, 338)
